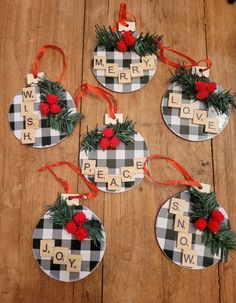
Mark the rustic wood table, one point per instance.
(134, 268)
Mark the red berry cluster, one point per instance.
(213, 222)
(204, 89)
(76, 226)
(127, 40)
(108, 139)
(50, 106)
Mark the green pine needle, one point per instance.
(51, 87)
(91, 140)
(60, 212)
(95, 229)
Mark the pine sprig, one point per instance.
(51, 87)
(91, 140)
(60, 212)
(95, 229)
(106, 37)
(222, 102)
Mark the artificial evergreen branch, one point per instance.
(95, 229)
(47, 87)
(60, 212)
(91, 140)
(106, 37)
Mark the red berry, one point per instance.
(55, 109)
(213, 226)
(81, 234)
(52, 99)
(211, 87)
(200, 224)
(217, 215)
(202, 94)
(200, 85)
(121, 46)
(71, 227)
(44, 109)
(108, 132)
(129, 38)
(114, 142)
(80, 218)
(104, 143)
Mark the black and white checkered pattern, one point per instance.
(90, 254)
(114, 159)
(184, 128)
(167, 237)
(123, 60)
(44, 136)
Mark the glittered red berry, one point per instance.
(213, 226)
(71, 227)
(55, 109)
(121, 46)
(81, 233)
(108, 132)
(114, 142)
(80, 218)
(211, 87)
(217, 215)
(200, 85)
(202, 94)
(200, 224)
(52, 99)
(44, 109)
(129, 38)
(104, 143)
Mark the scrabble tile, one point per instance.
(111, 70)
(131, 27)
(26, 108)
(28, 136)
(138, 165)
(71, 202)
(101, 174)
(136, 70)
(60, 255)
(73, 263)
(124, 76)
(189, 258)
(212, 125)
(99, 62)
(31, 81)
(29, 94)
(88, 167)
(114, 182)
(31, 121)
(175, 100)
(177, 206)
(181, 223)
(186, 111)
(199, 116)
(128, 174)
(109, 120)
(184, 241)
(198, 71)
(148, 62)
(47, 248)
(206, 188)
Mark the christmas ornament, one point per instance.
(69, 240)
(112, 156)
(192, 228)
(194, 107)
(123, 60)
(43, 113)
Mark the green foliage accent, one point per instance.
(91, 140)
(220, 243)
(60, 212)
(95, 229)
(222, 102)
(51, 87)
(145, 44)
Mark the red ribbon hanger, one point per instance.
(189, 181)
(122, 18)
(40, 54)
(94, 189)
(107, 97)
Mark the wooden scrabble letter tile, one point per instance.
(109, 120)
(127, 174)
(34, 81)
(199, 117)
(99, 62)
(28, 136)
(26, 108)
(73, 263)
(186, 111)
(124, 76)
(212, 125)
(206, 188)
(114, 182)
(184, 241)
(131, 27)
(88, 167)
(136, 70)
(138, 165)
(198, 70)
(47, 248)
(101, 174)
(29, 94)
(181, 223)
(111, 70)
(60, 255)
(189, 258)
(148, 62)
(175, 100)
(177, 206)
(31, 121)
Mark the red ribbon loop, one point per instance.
(40, 54)
(107, 97)
(122, 18)
(94, 189)
(189, 180)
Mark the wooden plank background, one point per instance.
(133, 269)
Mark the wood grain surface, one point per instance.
(133, 270)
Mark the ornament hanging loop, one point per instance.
(122, 18)
(41, 53)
